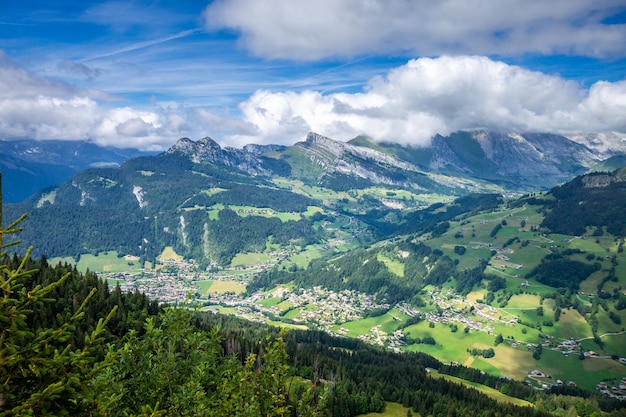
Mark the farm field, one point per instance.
(222, 287)
(490, 392)
(104, 262)
(391, 410)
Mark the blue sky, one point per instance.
(145, 73)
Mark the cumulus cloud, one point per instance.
(36, 107)
(425, 97)
(326, 28)
(409, 104)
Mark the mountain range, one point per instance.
(185, 197)
(399, 246)
(29, 165)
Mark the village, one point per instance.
(177, 282)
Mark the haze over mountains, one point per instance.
(531, 160)
(29, 165)
(151, 202)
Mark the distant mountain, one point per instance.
(604, 145)
(610, 164)
(20, 179)
(514, 161)
(211, 203)
(29, 165)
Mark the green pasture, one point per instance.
(605, 324)
(523, 301)
(203, 286)
(314, 192)
(585, 373)
(478, 362)
(269, 302)
(63, 260)
(293, 314)
(284, 306)
(490, 392)
(590, 285)
(229, 311)
(214, 190)
(246, 211)
(393, 264)
(214, 211)
(104, 262)
(286, 325)
(252, 258)
(516, 332)
(391, 410)
(388, 322)
(615, 343)
(449, 346)
(222, 287)
(169, 254)
(439, 352)
(508, 232)
(513, 282)
(303, 258)
(570, 324)
(312, 210)
(512, 362)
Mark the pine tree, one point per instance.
(40, 373)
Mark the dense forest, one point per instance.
(595, 201)
(71, 346)
(94, 215)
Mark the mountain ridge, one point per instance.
(188, 194)
(30, 165)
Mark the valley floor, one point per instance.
(452, 328)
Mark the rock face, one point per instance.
(604, 180)
(349, 159)
(524, 161)
(207, 150)
(535, 156)
(527, 160)
(604, 145)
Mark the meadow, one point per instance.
(105, 262)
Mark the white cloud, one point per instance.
(310, 30)
(409, 104)
(35, 107)
(427, 96)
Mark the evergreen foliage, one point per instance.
(596, 200)
(558, 271)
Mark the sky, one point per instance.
(144, 73)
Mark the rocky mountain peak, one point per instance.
(182, 145)
(316, 140)
(209, 143)
(205, 149)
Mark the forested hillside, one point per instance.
(71, 346)
(70, 350)
(594, 201)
